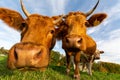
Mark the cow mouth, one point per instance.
(73, 49)
(32, 68)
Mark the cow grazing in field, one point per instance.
(72, 32)
(86, 61)
(37, 39)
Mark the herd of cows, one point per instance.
(39, 34)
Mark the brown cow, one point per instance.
(72, 31)
(37, 39)
(86, 60)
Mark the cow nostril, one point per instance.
(79, 41)
(38, 54)
(15, 55)
(67, 40)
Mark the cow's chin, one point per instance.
(29, 56)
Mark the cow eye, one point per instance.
(52, 31)
(24, 24)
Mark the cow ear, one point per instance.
(96, 19)
(11, 18)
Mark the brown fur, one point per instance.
(11, 18)
(37, 39)
(72, 32)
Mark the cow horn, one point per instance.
(24, 10)
(56, 21)
(91, 11)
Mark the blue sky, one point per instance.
(107, 34)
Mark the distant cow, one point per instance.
(37, 39)
(87, 60)
(72, 31)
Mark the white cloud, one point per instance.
(58, 6)
(6, 44)
(92, 30)
(115, 34)
(113, 13)
(113, 43)
(111, 47)
(46, 7)
(8, 36)
(110, 58)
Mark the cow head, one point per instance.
(73, 28)
(37, 38)
(97, 54)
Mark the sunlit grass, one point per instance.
(52, 73)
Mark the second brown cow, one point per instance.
(74, 38)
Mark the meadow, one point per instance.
(53, 72)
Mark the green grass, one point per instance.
(52, 73)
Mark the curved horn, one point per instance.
(56, 21)
(91, 11)
(24, 10)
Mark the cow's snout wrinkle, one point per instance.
(38, 54)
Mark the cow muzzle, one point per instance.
(72, 42)
(97, 56)
(28, 55)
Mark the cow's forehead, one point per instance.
(37, 20)
(76, 23)
(76, 14)
(76, 17)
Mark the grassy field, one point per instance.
(52, 73)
